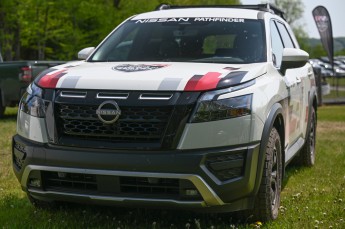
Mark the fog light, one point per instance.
(191, 192)
(35, 183)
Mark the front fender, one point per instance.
(276, 110)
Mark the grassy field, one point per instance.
(334, 81)
(311, 198)
(334, 94)
(340, 94)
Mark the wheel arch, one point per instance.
(275, 119)
(313, 102)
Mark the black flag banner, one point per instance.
(324, 25)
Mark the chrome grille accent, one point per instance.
(155, 96)
(109, 95)
(73, 94)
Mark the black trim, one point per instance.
(231, 79)
(312, 97)
(181, 114)
(274, 112)
(160, 162)
(285, 65)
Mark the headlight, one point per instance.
(210, 108)
(32, 102)
(223, 109)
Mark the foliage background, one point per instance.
(58, 29)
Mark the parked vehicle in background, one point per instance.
(184, 107)
(326, 69)
(339, 66)
(15, 76)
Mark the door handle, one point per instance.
(310, 73)
(298, 80)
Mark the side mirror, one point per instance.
(293, 58)
(85, 53)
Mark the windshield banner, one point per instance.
(324, 25)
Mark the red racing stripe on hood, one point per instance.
(191, 84)
(50, 80)
(206, 82)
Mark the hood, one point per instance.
(148, 76)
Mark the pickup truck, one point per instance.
(15, 76)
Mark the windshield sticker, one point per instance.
(138, 67)
(197, 19)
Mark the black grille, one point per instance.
(69, 181)
(118, 185)
(144, 124)
(145, 185)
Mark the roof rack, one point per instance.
(262, 7)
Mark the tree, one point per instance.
(9, 30)
(293, 10)
(49, 29)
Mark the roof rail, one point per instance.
(262, 7)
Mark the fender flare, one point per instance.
(312, 97)
(276, 110)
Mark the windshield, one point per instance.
(210, 40)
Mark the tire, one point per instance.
(41, 204)
(267, 201)
(306, 156)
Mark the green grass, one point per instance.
(333, 81)
(334, 94)
(311, 198)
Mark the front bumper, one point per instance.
(179, 178)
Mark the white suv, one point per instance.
(198, 107)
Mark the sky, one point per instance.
(336, 9)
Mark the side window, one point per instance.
(277, 45)
(285, 36)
